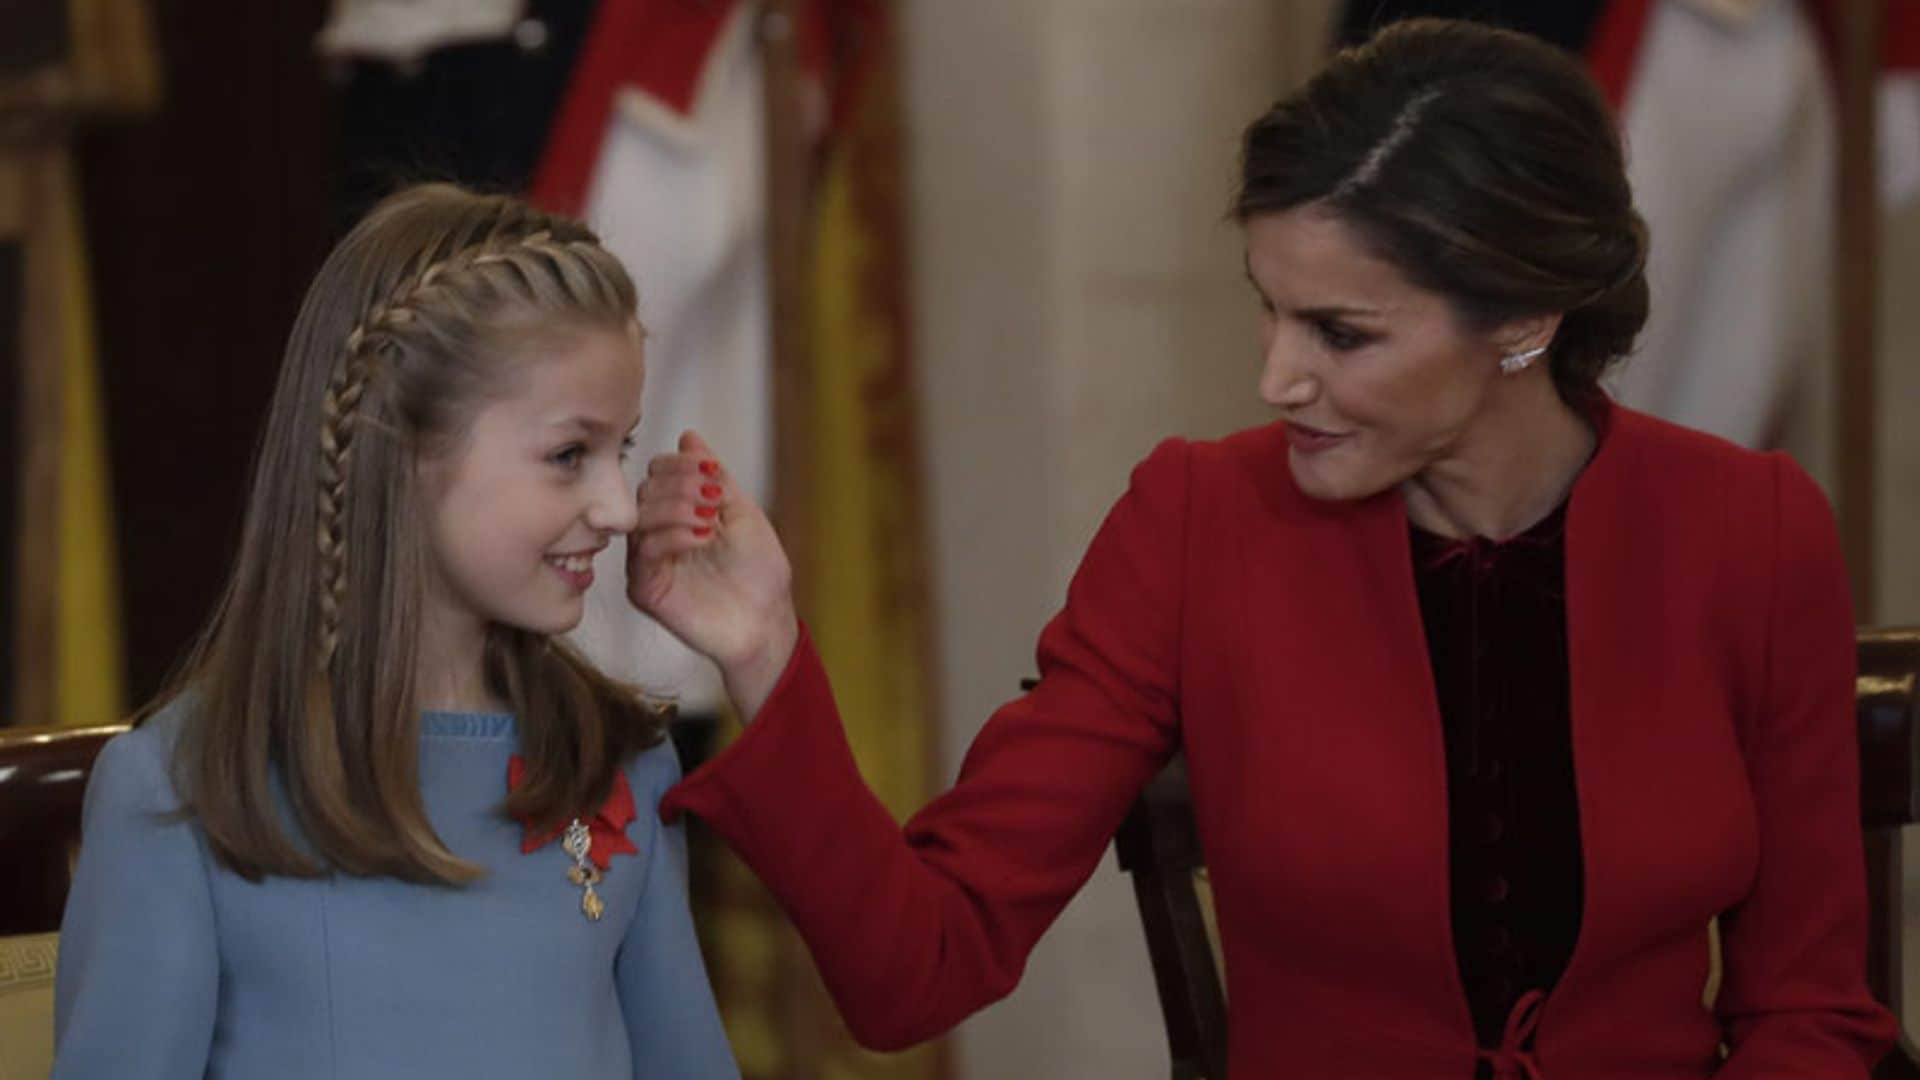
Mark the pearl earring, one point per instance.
(1520, 361)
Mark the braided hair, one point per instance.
(402, 321)
(306, 670)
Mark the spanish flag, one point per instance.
(865, 567)
(63, 664)
(661, 144)
(89, 673)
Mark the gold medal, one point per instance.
(578, 844)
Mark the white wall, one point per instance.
(1899, 375)
(1899, 501)
(1077, 298)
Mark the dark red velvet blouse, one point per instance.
(1495, 618)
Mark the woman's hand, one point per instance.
(706, 563)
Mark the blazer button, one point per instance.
(1499, 940)
(1492, 828)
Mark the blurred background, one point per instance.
(931, 274)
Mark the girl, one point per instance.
(386, 824)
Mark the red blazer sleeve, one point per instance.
(1794, 998)
(915, 929)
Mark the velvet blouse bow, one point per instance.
(1514, 1059)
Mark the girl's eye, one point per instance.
(568, 457)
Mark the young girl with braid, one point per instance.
(386, 823)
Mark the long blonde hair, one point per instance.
(306, 669)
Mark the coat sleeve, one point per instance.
(666, 1000)
(137, 985)
(915, 929)
(1794, 1000)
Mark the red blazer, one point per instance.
(1278, 640)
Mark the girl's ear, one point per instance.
(430, 473)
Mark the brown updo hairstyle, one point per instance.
(1485, 166)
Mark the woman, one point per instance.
(1494, 695)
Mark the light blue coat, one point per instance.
(174, 968)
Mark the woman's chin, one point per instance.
(1316, 480)
(1320, 477)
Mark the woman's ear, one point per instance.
(1526, 334)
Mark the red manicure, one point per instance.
(709, 491)
(706, 511)
(703, 530)
(709, 468)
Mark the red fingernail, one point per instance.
(709, 468)
(709, 491)
(703, 530)
(706, 511)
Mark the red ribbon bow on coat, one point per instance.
(608, 826)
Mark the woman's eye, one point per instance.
(626, 447)
(568, 457)
(1339, 338)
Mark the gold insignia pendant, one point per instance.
(578, 843)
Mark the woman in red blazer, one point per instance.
(1496, 697)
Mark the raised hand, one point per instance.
(705, 562)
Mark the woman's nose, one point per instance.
(1285, 383)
